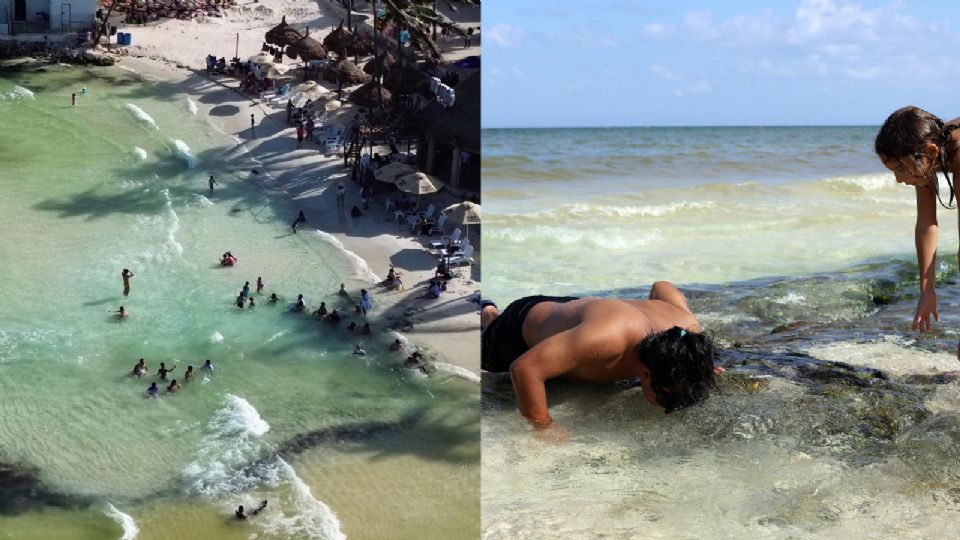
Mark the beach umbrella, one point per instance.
(338, 39)
(419, 183)
(367, 96)
(309, 90)
(392, 171)
(386, 60)
(332, 105)
(470, 62)
(346, 71)
(261, 59)
(282, 34)
(411, 80)
(309, 48)
(276, 71)
(465, 213)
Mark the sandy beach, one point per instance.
(172, 52)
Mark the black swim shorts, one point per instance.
(502, 342)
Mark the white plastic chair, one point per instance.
(438, 228)
(466, 257)
(454, 239)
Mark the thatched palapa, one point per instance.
(283, 34)
(343, 41)
(366, 96)
(411, 80)
(386, 60)
(309, 49)
(346, 71)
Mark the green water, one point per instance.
(339, 445)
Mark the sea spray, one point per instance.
(191, 106)
(140, 152)
(17, 94)
(363, 270)
(140, 115)
(183, 151)
(174, 224)
(458, 371)
(130, 529)
(231, 458)
(216, 337)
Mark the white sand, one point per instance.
(175, 51)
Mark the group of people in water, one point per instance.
(140, 370)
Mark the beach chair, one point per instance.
(454, 239)
(333, 144)
(465, 257)
(428, 214)
(438, 228)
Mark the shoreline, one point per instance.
(446, 329)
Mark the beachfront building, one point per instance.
(450, 137)
(36, 17)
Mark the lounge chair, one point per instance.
(438, 228)
(454, 239)
(465, 257)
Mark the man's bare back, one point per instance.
(591, 340)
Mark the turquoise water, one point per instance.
(119, 181)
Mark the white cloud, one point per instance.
(504, 35)
(654, 30)
(701, 25)
(701, 87)
(663, 72)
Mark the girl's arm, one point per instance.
(925, 237)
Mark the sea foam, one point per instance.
(16, 94)
(140, 152)
(140, 115)
(130, 529)
(184, 152)
(191, 106)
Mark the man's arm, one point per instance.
(667, 292)
(557, 355)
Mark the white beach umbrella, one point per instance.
(419, 184)
(261, 59)
(465, 213)
(392, 171)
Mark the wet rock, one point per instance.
(21, 490)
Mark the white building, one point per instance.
(19, 17)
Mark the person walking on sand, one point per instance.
(289, 111)
(300, 135)
(600, 340)
(300, 219)
(253, 123)
(916, 145)
(126, 275)
(341, 195)
(212, 183)
(73, 99)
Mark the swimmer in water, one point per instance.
(239, 302)
(252, 304)
(174, 387)
(359, 351)
(141, 368)
(207, 365)
(343, 290)
(152, 391)
(246, 289)
(396, 345)
(259, 284)
(189, 374)
(162, 372)
(121, 313)
(239, 513)
(261, 508)
(366, 329)
(334, 317)
(352, 327)
(321, 311)
(274, 298)
(300, 305)
(126, 275)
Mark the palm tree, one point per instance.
(417, 17)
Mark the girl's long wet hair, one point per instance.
(680, 359)
(906, 133)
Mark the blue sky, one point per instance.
(701, 63)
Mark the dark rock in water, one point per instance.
(358, 432)
(21, 490)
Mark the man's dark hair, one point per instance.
(681, 360)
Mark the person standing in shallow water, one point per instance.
(300, 219)
(916, 145)
(126, 275)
